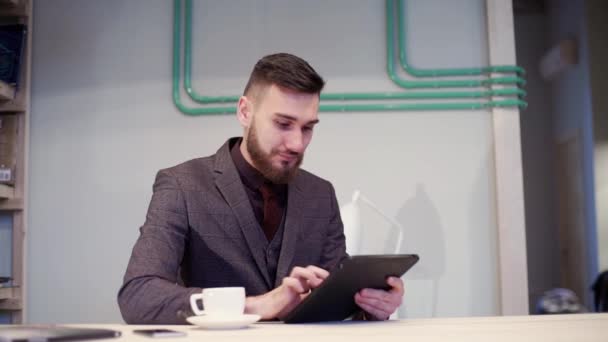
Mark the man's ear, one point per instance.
(244, 111)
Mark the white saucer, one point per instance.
(223, 322)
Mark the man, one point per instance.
(246, 216)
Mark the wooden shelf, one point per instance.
(10, 298)
(12, 106)
(6, 192)
(11, 204)
(10, 292)
(7, 91)
(11, 305)
(12, 198)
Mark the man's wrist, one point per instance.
(252, 305)
(258, 305)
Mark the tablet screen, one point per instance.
(334, 300)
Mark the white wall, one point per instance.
(103, 123)
(601, 172)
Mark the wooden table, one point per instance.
(572, 328)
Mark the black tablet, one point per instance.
(334, 300)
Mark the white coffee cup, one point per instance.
(224, 301)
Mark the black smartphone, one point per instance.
(159, 332)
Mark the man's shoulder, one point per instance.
(202, 165)
(313, 184)
(190, 169)
(192, 166)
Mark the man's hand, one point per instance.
(381, 304)
(294, 288)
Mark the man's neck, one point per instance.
(246, 154)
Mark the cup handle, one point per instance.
(194, 305)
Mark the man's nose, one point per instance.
(295, 142)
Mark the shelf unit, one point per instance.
(7, 91)
(16, 103)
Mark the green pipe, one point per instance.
(423, 95)
(329, 107)
(328, 96)
(390, 65)
(176, 71)
(188, 64)
(420, 106)
(442, 72)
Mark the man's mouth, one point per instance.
(288, 157)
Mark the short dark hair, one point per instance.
(286, 71)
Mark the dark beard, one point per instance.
(262, 162)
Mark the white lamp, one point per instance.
(559, 58)
(351, 218)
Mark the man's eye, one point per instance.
(283, 125)
(307, 129)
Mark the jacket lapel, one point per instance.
(291, 230)
(230, 186)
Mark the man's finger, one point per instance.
(308, 275)
(378, 311)
(377, 294)
(396, 284)
(318, 271)
(301, 272)
(374, 300)
(381, 300)
(295, 285)
(309, 272)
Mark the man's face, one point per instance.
(280, 130)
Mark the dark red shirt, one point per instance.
(253, 180)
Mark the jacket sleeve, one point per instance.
(334, 248)
(150, 293)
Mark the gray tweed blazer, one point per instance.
(200, 231)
